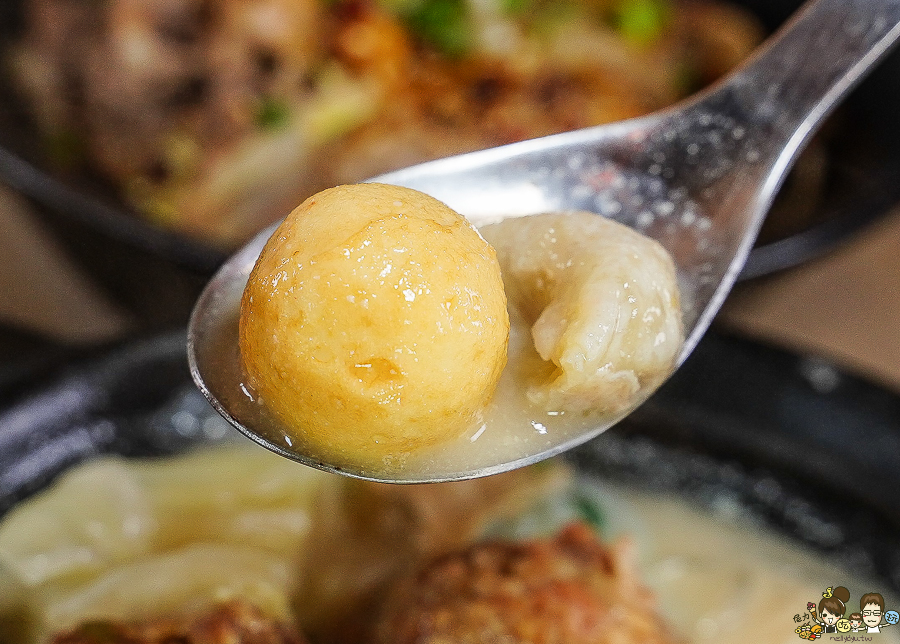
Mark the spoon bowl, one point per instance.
(699, 178)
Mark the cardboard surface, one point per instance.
(845, 306)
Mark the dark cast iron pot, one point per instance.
(796, 444)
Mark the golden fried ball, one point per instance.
(374, 323)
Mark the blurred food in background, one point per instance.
(215, 117)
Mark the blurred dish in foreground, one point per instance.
(714, 435)
(237, 540)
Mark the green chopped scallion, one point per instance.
(588, 510)
(443, 24)
(272, 114)
(516, 7)
(641, 21)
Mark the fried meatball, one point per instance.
(234, 622)
(571, 589)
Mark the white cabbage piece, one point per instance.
(124, 539)
(238, 494)
(173, 583)
(96, 516)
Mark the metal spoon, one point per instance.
(698, 177)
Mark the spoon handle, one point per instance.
(730, 148)
(804, 70)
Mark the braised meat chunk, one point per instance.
(571, 589)
(233, 622)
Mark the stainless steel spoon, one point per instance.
(698, 177)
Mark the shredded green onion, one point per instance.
(272, 114)
(443, 24)
(588, 510)
(641, 21)
(516, 7)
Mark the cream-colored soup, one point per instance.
(720, 579)
(237, 521)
